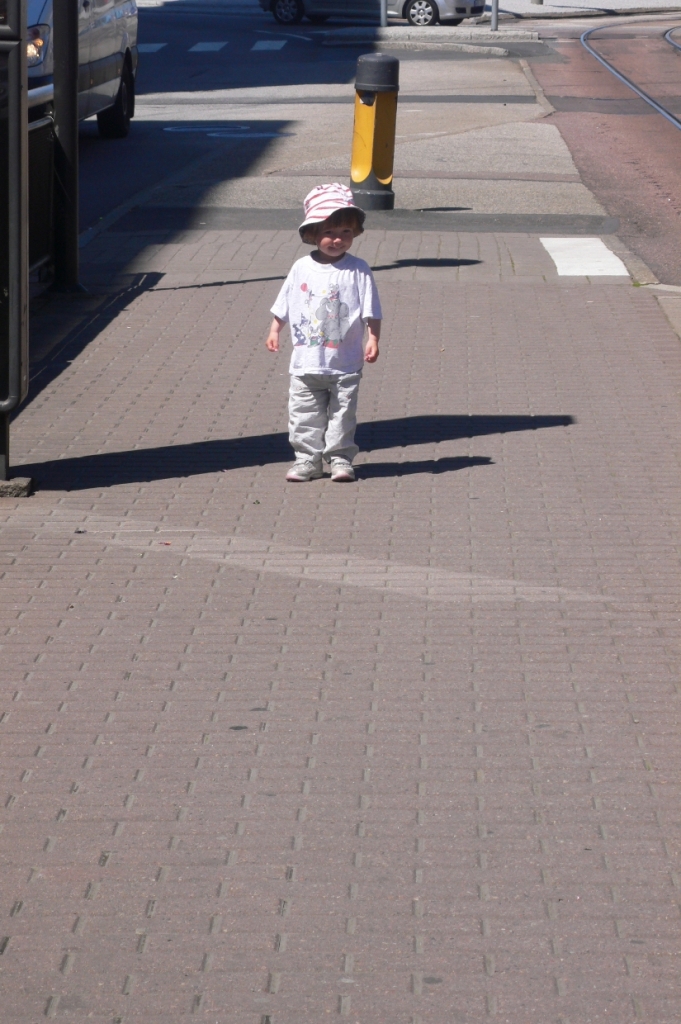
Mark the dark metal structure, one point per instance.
(40, 192)
(13, 218)
(66, 256)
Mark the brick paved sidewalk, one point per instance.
(403, 751)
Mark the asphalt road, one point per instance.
(112, 171)
(607, 128)
(627, 155)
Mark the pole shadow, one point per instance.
(443, 209)
(376, 470)
(427, 262)
(144, 465)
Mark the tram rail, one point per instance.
(672, 42)
(584, 39)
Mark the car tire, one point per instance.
(114, 122)
(288, 12)
(317, 19)
(422, 12)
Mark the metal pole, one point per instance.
(377, 84)
(494, 27)
(384, 13)
(65, 51)
(4, 446)
(13, 226)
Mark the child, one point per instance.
(327, 299)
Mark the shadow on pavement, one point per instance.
(59, 332)
(142, 465)
(218, 284)
(427, 262)
(369, 470)
(395, 265)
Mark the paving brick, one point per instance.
(454, 798)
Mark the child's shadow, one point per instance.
(367, 470)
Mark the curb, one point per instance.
(440, 36)
(539, 93)
(579, 13)
(491, 51)
(640, 272)
(16, 487)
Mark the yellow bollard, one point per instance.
(373, 140)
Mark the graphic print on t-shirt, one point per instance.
(324, 325)
(326, 308)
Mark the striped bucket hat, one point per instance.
(324, 200)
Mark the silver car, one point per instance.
(430, 12)
(107, 46)
(417, 12)
(290, 12)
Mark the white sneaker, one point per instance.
(342, 471)
(301, 471)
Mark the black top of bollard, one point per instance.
(377, 72)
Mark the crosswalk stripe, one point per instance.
(150, 47)
(206, 47)
(270, 44)
(583, 257)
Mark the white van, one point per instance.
(107, 57)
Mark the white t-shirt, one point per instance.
(326, 306)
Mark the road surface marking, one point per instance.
(583, 257)
(150, 47)
(206, 47)
(289, 35)
(270, 44)
(228, 131)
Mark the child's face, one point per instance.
(334, 242)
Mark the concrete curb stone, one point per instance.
(16, 487)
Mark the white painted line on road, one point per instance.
(206, 47)
(270, 44)
(150, 47)
(276, 32)
(229, 131)
(583, 257)
(251, 135)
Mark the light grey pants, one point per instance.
(322, 411)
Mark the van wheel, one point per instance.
(288, 12)
(114, 122)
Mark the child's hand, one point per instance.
(374, 332)
(371, 350)
(272, 342)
